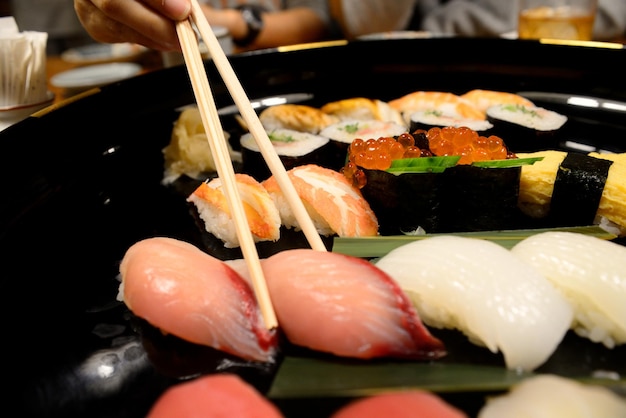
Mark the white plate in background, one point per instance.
(101, 53)
(83, 78)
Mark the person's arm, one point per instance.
(283, 27)
(146, 22)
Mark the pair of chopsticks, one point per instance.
(217, 143)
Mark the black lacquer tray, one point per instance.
(81, 182)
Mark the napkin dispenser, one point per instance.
(23, 78)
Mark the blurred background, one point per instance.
(56, 17)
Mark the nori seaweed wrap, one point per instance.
(578, 189)
(402, 203)
(479, 199)
(463, 198)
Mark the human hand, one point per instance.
(146, 22)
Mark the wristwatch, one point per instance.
(251, 14)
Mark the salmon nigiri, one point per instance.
(334, 204)
(346, 306)
(262, 215)
(483, 99)
(213, 396)
(437, 100)
(185, 292)
(412, 403)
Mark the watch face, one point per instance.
(251, 14)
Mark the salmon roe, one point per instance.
(467, 143)
(377, 154)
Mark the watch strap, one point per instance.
(252, 15)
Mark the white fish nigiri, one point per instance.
(185, 292)
(345, 306)
(545, 396)
(481, 289)
(591, 273)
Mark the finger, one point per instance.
(174, 9)
(126, 21)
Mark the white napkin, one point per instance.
(22, 65)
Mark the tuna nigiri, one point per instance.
(554, 396)
(345, 306)
(185, 292)
(401, 404)
(213, 396)
(334, 204)
(591, 273)
(262, 215)
(481, 289)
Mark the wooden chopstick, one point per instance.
(225, 170)
(256, 128)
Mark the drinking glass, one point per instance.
(556, 19)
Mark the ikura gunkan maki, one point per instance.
(442, 180)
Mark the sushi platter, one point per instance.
(83, 182)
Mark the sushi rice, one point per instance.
(531, 117)
(287, 142)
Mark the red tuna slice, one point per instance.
(184, 291)
(213, 396)
(404, 404)
(346, 306)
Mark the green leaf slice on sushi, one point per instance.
(440, 163)
(374, 247)
(423, 164)
(511, 162)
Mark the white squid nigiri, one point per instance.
(185, 292)
(481, 289)
(591, 273)
(345, 306)
(544, 396)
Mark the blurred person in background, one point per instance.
(363, 17)
(470, 18)
(252, 24)
(56, 17)
(490, 18)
